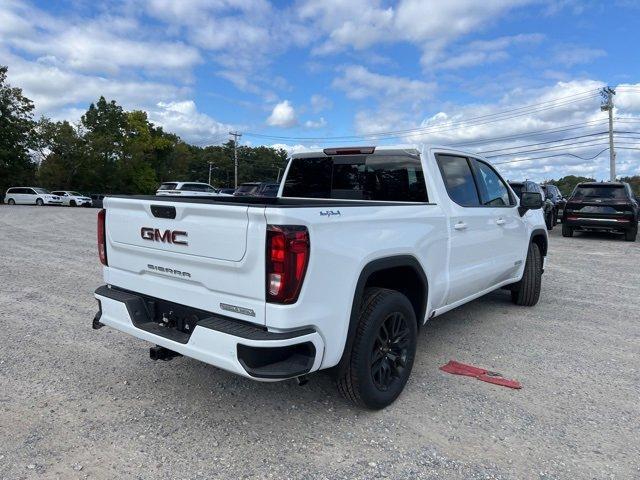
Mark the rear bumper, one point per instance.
(235, 346)
(592, 223)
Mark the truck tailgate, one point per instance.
(204, 255)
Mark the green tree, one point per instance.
(634, 181)
(16, 126)
(568, 183)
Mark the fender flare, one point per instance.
(539, 232)
(368, 270)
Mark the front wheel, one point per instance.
(39, 202)
(567, 231)
(549, 220)
(383, 351)
(72, 203)
(527, 291)
(631, 234)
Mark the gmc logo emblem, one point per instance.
(167, 236)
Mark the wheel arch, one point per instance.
(540, 238)
(386, 273)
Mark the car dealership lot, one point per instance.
(78, 403)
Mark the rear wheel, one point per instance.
(567, 231)
(39, 202)
(527, 291)
(11, 201)
(631, 234)
(383, 351)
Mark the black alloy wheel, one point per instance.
(390, 351)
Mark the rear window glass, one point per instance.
(600, 191)
(517, 189)
(168, 186)
(373, 177)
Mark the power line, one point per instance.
(554, 156)
(543, 143)
(472, 121)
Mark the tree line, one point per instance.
(112, 150)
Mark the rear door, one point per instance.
(205, 255)
(474, 234)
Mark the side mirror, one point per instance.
(530, 201)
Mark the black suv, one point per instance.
(548, 207)
(605, 206)
(554, 195)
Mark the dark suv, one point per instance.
(605, 206)
(554, 195)
(532, 187)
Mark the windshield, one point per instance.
(76, 194)
(42, 191)
(168, 186)
(247, 188)
(600, 191)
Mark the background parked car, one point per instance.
(604, 206)
(31, 196)
(96, 200)
(258, 189)
(73, 199)
(187, 188)
(227, 191)
(548, 207)
(554, 194)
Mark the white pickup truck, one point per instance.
(360, 248)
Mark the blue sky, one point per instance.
(298, 74)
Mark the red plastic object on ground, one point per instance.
(458, 368)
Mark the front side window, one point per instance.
(493, 191)
(458, 180)
(357, 177)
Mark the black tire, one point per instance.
(548, 220)
(527, 291)
(567, 231)
(380, 360)
(631, 234)
(555, 217)
(11, 201)
(72, 203)
(39, 202)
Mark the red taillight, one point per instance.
(349, 151)
(287, 259)
(102, 241)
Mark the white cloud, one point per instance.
(570, 55)
(184, 119)
(282, 115)
(320, 103)
(359, 83)
(313, 124)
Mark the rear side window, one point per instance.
(600, 191)
(13, 190)
(194, 187)
(493, 190)
(458, 180)
(168, 186)
(357, 177)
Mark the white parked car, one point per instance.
(73, 199)
(31, 196)
(360, 248)
(192, 189)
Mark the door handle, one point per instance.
(460, 226)
(501, 221)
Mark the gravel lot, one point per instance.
(78, 403)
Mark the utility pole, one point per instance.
(210, 165)
(235, 136)
(607, 94)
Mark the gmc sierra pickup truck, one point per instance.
(360, 248)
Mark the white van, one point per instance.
(31, 196)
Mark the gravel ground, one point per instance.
(78, 403)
